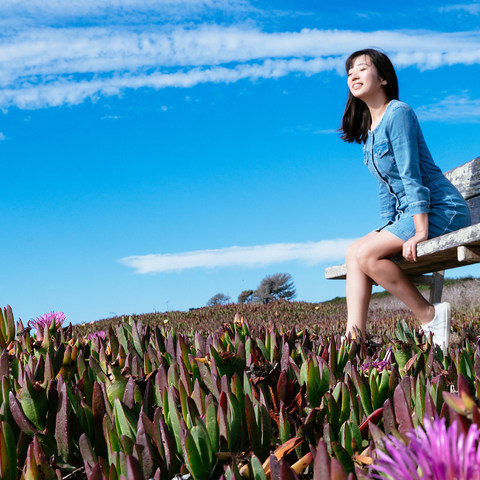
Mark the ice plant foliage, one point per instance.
(435, 452)
(241, 400)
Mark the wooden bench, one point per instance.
(451, 250)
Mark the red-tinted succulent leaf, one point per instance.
(62, 424)
(143, 440)
(403, 414)
(86, 450)
(463, 386)
(374, 418)
(337, 471)
(430, 409)
(129, 393)
(284, 361)
(321, 463)
(134, 469)
(454, 402)
(4, 365)
(21, 420)
(344, 458)
(253, 429)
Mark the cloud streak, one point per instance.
(45, 67)
(60, 8)
(310, 253)
(61, 91)
(472, 8)
(452, 109)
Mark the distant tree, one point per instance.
(246, 296)
(274, 287)
(219, 299)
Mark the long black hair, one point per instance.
(356, 118)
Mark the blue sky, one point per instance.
(155, 153)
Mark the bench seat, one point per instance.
(451, 250)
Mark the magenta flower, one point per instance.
(48, 319)
(380, 365)
(435, 452)
(98, 334)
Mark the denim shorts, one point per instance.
(448, 212)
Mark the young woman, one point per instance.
(417, 202)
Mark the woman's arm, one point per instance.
(409, 250)
(403, 131)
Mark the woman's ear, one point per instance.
(382, 81)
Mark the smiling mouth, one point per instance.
(356, 86)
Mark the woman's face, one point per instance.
(363, 79)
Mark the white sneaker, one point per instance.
(439, 327)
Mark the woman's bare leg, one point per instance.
(367, 259)
(359, 288)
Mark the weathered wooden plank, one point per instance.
(466, 178)
(440, 253)
(336, 272)
(471, 254)
(464, 236)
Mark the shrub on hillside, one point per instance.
(246, 296)
(275, 287)
(219, 299)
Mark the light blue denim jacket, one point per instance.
(397, 155)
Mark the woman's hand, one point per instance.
(409, 249)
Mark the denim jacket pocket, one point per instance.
(384, 158)
(381, 149)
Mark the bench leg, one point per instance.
(437, 287)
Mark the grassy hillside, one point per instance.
(321, 318)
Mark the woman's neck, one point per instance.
(377, 109)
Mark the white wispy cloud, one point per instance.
(454, 108)
(472, 8)
(63, 91)
(2, 136)
(327, 131)
(43, 67)
(310, 253)
(95, 7)
(111, 117)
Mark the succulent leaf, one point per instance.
(20, 418)
(125, 422)
(193, 457)
(8, 454)
(62, 424)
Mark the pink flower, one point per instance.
(380, 365)
(48, 320)
(435, 452)
(98, 334)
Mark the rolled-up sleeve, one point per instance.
(403, 131)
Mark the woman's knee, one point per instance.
(351, 253)
(365, 258)
(357, 256)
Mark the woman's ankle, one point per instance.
(428, 315)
